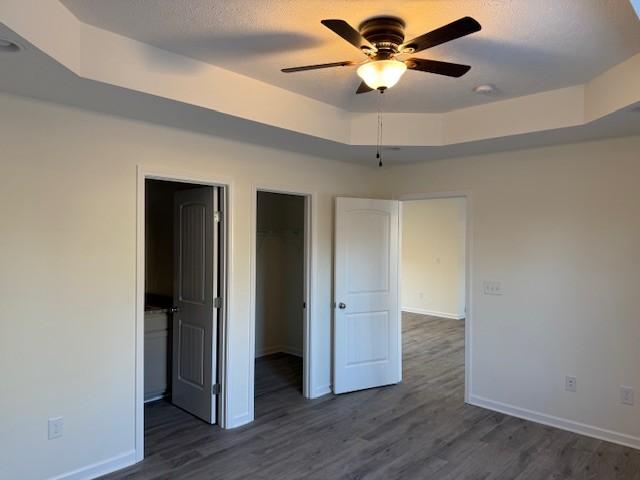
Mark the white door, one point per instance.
(367, 348)
(195, 289)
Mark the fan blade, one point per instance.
(364, 88)
(457, 29)
(347, 32)
(317, 67)
(433, 66)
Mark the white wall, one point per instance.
(557, 226)
(433, 262)
(560, 228)
(67, 276)
(279, 273)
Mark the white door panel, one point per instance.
(195, 286)
(367, 349)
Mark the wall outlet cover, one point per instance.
(626, 395)
(570, 384)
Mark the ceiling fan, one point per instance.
(382, 40)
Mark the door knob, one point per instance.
(342, 306)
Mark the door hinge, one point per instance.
(217, 302)
(217, 216)
(215, 389)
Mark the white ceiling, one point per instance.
(525, 46)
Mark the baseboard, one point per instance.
(320, 391)
(98, 469)
(155, 397)
(279, 349)
(239, 420)
(561, 423)
(291, 350)
(432, 313)
(267, 351)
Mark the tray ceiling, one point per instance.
(524, 47)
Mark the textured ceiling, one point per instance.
(525, 46)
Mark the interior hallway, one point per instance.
(418, 429)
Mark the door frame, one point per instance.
(468, 266)
(147, 173)
(309, 288)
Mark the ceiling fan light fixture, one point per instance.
(382, 74)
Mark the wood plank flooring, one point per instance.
(277, 372)
(419, 429)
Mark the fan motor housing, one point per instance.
(386, 33)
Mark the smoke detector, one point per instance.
(486, 89)
(7, 46)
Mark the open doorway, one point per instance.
(183, 292)
(281, 286)
(392, 257)
(433, 289)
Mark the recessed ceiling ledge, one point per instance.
(106, 57)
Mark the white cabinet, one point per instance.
(157, 351)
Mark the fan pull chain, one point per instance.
(379, 139)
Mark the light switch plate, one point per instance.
(56, 426)
(626, 395)
(492, 287)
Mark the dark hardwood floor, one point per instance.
(275, 373)
(419, 429)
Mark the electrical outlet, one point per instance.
(56, 426)
(570, 384)
(491, 287)
(626, 395)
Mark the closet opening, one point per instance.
(281, 295)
